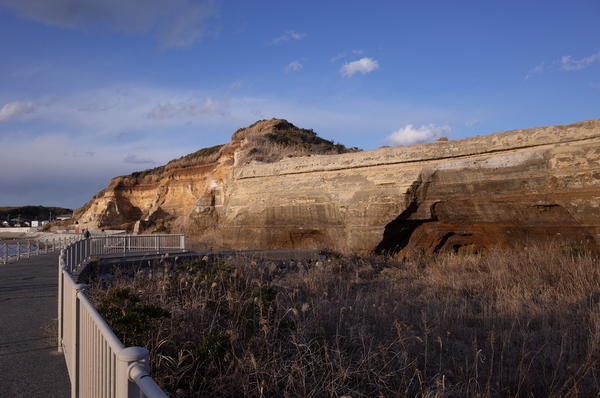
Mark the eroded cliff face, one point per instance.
(505, 189)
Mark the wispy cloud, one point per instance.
(295, 66)
(287, 36)
(538, 69)
(94, 107)
(565, 64)
(12, 109)
(411, 135)
(569, 64)
(187, 108)
(346, 54)
(176, 23)
(83, 154)
(363, 65)
(131, 158)
(236, 86)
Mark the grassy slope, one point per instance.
(264, 141)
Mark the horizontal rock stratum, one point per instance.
(504, 189)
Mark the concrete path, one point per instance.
(30, 364)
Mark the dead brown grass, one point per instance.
(508, 324)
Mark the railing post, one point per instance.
(86, 250)
(75, 350)
(76, 257)
(5, 255)
(61, 299)
(18, 250)
(126, 360)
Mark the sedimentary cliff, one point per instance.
(510, 188)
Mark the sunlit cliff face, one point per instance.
(502, 189)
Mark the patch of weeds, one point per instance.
(209, 353)
(204, 271)
(127, 317)
(257, 306)
(287, 323)
(199, 363)
(163, 229)
(573, 251)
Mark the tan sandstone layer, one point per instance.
(510, 188)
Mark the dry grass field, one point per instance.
(506, 324)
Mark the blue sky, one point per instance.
(93, 89)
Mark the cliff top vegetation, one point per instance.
(272, 140)
(265, 141)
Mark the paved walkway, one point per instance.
(30, 364)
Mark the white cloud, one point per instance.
(569, 64)
(295, 66)
(169, 110)
(8, 111)
(410, 135)
(176, 23)
(289, 35)
(363, 65)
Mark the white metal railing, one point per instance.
(84, 249)
(17, 249)
(98, 364)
